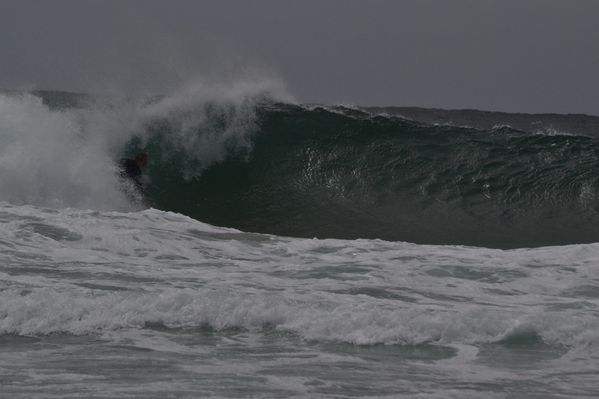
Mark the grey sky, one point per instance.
(510, 55)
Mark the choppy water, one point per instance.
(155, 304)
(109, 295)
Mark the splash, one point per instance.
(55, 158)
(61, 156)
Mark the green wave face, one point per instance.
(346, 174)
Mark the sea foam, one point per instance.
(86, 272)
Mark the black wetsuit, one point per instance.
(130, 170)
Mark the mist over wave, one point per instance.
(60, 149)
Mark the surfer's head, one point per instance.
(141, 159)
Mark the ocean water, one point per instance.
(253, 266)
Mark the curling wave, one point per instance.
(347, 174)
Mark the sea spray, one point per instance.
(65, 156)
(54, 157)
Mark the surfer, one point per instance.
(132, 169)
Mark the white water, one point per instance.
(170, 285)
(55, 158)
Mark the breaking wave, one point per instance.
(240, 156)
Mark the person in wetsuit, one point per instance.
(131, 169)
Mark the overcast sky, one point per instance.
(508, 55)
